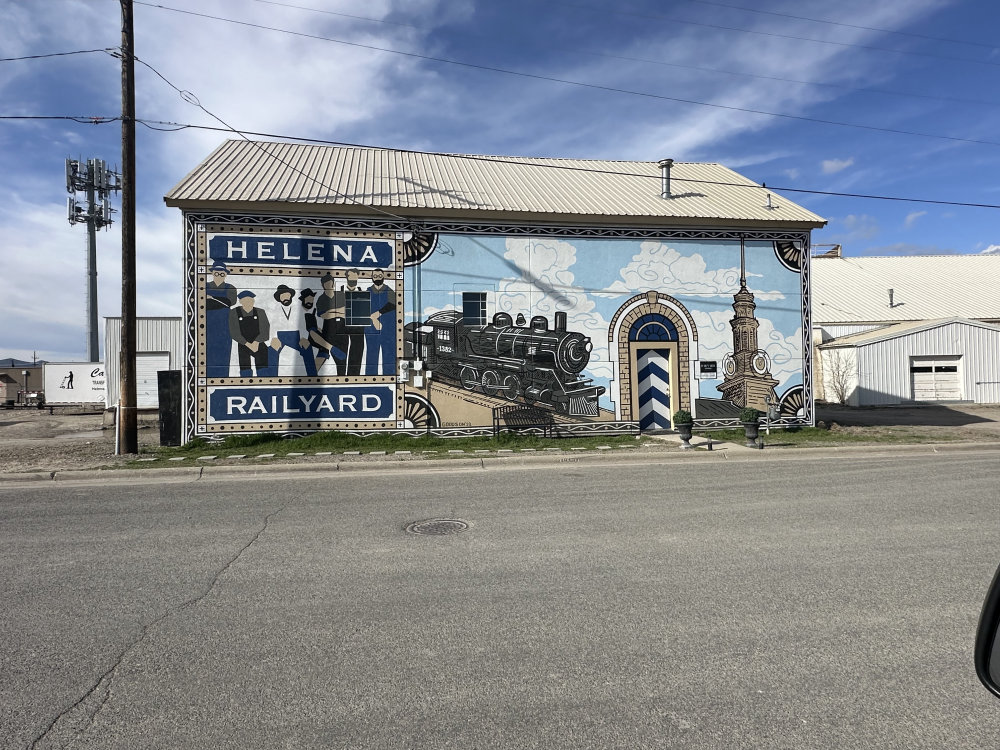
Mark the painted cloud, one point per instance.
(659, 266)
(546, 285)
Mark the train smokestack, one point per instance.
(560, 321)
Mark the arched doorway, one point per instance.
(651, 337)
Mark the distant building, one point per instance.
(892, 330)
(159, 346)
(16, 370)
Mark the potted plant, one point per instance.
(683, 423)
(750, 418)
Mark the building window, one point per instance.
(359, 308)
(474, 308)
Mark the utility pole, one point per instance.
(97, 181)
(128, 423)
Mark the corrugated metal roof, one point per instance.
(902, 329)
(407, 182)
(925, 287)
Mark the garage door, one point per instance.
(147, 364)
(936, 378)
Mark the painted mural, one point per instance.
(298, 328)
(607, 330)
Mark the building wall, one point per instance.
(602, 329)
(884, 366)
(153, 335)
(838, 371)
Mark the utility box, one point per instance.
(169, 391)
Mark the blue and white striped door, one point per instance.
(654, 389)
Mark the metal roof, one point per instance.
(406, 183)
(902, 329)
(924, 287)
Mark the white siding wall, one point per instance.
(839, 369)
(153, 336)
(884, 366)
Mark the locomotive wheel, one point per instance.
(511, 387)
(419, 413)
(491, 383)
(470, 378)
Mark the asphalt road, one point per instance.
(804, 602)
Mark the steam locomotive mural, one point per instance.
(531, 363)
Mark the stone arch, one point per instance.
(679, 334)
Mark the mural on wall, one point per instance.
(297, 329)
(605, 330)
(301, 325)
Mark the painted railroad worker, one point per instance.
(219, 297)
(355, 333)
(292, 330)
(249, 328)
(380, 336)
(331, 314)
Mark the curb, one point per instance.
(721, 451)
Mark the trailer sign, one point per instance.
(74, 383)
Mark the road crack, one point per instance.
(78, 718)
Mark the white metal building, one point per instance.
(159, 346)
(954, 359)
(895, 309)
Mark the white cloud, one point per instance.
(832, 166)
(856, 227)
(991, 250)
(912, 217)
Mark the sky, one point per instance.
(822, 102)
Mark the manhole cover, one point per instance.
(438, 526)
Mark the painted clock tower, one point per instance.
(747, 370)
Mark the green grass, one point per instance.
(341, 442)
(808, 437)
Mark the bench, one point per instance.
(518, 418)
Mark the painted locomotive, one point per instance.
(532, 363)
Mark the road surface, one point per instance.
(793, 602)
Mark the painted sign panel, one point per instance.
(74, 382)
(297, 329)
(292, 403)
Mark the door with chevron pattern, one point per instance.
(653, 388)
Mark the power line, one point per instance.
(654, 17)
(53, 54)
(580, 84)
(567, 167)
(82, 119)
(192, 99)
(845, 25)
(663, 63)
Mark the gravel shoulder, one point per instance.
(74, 438)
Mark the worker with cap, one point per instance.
(219, 297)
(249, 328)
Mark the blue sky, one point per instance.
(636, 67)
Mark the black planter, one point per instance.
(751, 430)
(684, 430)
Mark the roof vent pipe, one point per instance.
(891, 298)
(665, 165)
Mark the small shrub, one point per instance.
(682, 416)
(749, 414)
